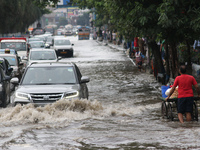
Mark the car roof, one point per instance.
(51, 64)
(42, 49)
(9, 49)
(36, 41)
(7, 55)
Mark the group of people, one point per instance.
(137, 51)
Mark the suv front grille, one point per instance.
(46, 97)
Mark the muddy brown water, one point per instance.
(123, 111)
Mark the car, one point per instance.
(12, 51)
(37, 44)
(41, 55)
(15, 63)
(68, 32)
(7, 69)
(63, 47)
(46, 83)
(50, 40)
(33, 39)
(38, 31)
(4, 88)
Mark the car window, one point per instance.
(7, 64)
(11, 60)
(78, 73)
(42, 55)
(49, 75)
(62, 42)
(37, 44)
(14, 45)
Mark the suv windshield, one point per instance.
(49, 75)
(62, 42)
(42, 55)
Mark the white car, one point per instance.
(41, 55)
(63, 47)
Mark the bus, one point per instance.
(84, 33)
(51, 29)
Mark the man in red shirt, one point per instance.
(185, 93)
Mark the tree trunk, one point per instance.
(167, 63)
(189, 64)
(157, 55)
(175, 65)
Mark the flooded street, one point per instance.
(123, 111)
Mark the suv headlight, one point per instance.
(71, 95)
(22, 95)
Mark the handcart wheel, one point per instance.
(195, 112)
(169, 112)
(164, 110)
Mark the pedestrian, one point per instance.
(162, 50)
(139, 59)
(196, 48)
(185, 93)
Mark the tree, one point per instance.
(62, 21)
(16, 15)
(83, 20)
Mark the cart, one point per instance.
(169, 108)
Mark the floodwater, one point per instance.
(123, 111)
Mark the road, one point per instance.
(123, 111)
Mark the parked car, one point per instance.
(4, 88)
(41, 55)
(45, 83)
(63, 47)
(15, 63)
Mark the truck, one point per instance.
(18, 43)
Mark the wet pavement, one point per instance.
(123, 111)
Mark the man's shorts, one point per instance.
(139, 64)
(185, 104)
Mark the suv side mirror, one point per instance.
(72, 44)
(85, 79)
(14, 81)
(59, 58)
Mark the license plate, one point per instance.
(63, 52)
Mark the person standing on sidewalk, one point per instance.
(185, 93)
(139, 59)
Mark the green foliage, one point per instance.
(83, 20)
(62, 21)
(16, 15)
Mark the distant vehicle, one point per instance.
(33, 39)
(83, 33)
(50, 40)
(68, 32)
(68, 27)
(41, 37)
(38, 31)
(5, 88)
(63, 47)
(46, 83)
(51, 29)
(19, 44)
(42, 55)
(36, 44)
